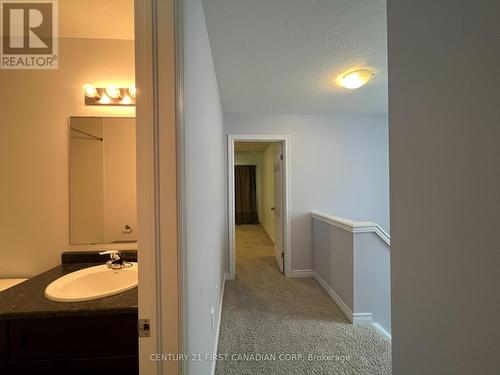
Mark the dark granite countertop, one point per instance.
(27, 299)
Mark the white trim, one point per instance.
(227, 276)
(300, 273)
(334, 296)
(353, 226)
(214, 362)
(231, 207)
(362, 318)
(156, 179)
(382, 329)
(181, 182)
(285, 139)
(354, 318)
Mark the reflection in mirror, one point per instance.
(102, 180)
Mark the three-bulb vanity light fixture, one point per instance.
(111, 95)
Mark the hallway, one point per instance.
(267, 319)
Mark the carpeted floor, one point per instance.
(276, 325)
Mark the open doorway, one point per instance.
(258, 200)
(69, 193)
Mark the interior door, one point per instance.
(278, 207)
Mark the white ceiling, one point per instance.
(96, 19)
(282, 56)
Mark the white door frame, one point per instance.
(157, 123)
(285, 139)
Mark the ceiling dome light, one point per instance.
(132, 91)
(356, 79)
(113, 92)
(90, 91)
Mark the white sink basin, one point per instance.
(92, 283)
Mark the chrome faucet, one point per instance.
(115, 261)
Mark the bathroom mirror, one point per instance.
(102, 180)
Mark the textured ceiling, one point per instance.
(96, 19)
(282, 56)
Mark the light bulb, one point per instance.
(126, 100)
(90, 91)
(356, 79)
(105, 100)
(113, 92)
(132, 91)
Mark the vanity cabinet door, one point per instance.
(73, 337)
(3, 340)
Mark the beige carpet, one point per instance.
(277, 325)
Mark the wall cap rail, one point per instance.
(353, 226)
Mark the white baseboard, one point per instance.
(354, 318)
(382, 329)
(334, 296)
(362, 318)
(300, 273)
(214, 363)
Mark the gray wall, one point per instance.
(339, 166)
(444, 69)
(356, 266)
(333, 259)
(372, 278)
(204, 167)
